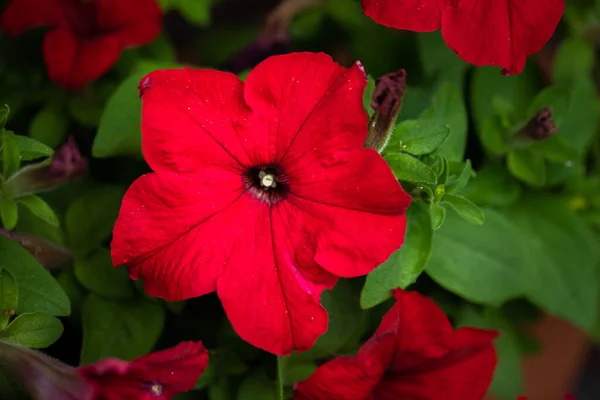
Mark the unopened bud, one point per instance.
(50, 255)
(541, 126)
(386, 102)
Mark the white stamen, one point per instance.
(268, 180)
(156, 389)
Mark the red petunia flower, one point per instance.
(262, 191)
(414, 355)
(156, 376)
(86, 37)
(499, 33)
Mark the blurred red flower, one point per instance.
(262, 191)
(415, 354)
(499, 33)
(156, 376)
(85, 37)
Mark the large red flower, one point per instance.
(482, 32)
(157, 376)
(414, 355)
(85, 37)
(262, 191)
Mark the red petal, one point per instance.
(500, 33)
(359, 206)
(269, 302)
(189, 120)
(72, 63)
(172, 231)
(412, 15)
(135, 22)
(21, 15)
(305, 99)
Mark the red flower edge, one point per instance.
(157, 376)
(497, 33)
(268, 193)
(85, 38)
(415, 354)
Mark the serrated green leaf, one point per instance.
(34, 330)
(528, 166)
(407, 168)
(418, 137)
(49, 126)
(465, 208)
(97, 274)
(11, 159)
(90, 218)
(9, 297)
(123, 329)
(38, 291)
(39, 208)
(9, 213)
(405, 265)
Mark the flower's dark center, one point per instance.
(268, 183)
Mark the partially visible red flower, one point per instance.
(86, 37)
(414, 355)
(262, 191)
(482, 32)
(156, 376)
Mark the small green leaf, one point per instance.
(528, 166)
(39, 208)
(418, 137)
(257, 387)
(11, 159)
(407, 168)
(405, 265)
(368, 94)
(98, 275)
(31, 149)
(448, 108)
(465, 208)
(9, 213)
(49, 126)
(459, 176)
(574, 58)
(38, 291)
(493, 135)
(35, 330)
(90, 218)
(438, 215)
(4, 111)
(493, 186)
(123, 329)
(9, 297)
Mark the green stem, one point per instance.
(280, 378)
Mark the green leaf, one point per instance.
(493, 135)
(9, 213)
(580, 123)
(481, 263)
(98, 275)
(31, 149)
(560, 252)
(296, 369)
(528, 166)
(368, 94)
(438, 215)
(49, 126)
(418, 137)
(465, 208)
(11, 159)
(124, 329)
(493, 186)
(195, 11)
(9, 297)
(89, 220)
(35, 330)
(407, 168)
(405, 265)
(4, 111)
(508, 377)
(346, 320)
(257, 387)
(555, 149)
(448, 108)
(307, 23)
(557, 97)
(459, 176)
(347, 13)
(39, 208)
(38, 291)
(438, 61)
(574, 58)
